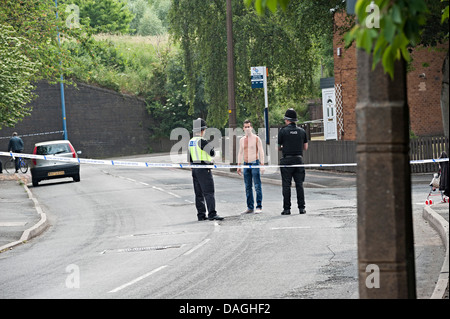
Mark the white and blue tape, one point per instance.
(33, 134)
(183, 165)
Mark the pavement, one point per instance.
(22, 218)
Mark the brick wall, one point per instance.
(423, 93)
(345, 74)
(101, 123)
(424, 90)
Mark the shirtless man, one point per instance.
(252, 151)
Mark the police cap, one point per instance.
(199, 125)
(291, 115)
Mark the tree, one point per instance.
(35, 21)
(31, 52)
(200, 26)
(147, 18)
(401, 25)
(150, 24)
(107, 16)
(165, 98)
(16, 73)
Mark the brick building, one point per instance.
(424, 83)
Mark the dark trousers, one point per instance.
(298, 174)
(17, 161)
(204, 191)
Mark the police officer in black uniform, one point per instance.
(292, 141)
(201, 152)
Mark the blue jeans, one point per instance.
(249, 175)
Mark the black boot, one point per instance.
(215, 217)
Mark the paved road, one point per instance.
(132, 233)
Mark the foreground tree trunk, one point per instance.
(385, 230)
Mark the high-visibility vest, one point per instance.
(197, 154)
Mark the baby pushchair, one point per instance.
(439, 183)
(434, 190)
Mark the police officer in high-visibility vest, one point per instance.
(200, 152)
(292, 140)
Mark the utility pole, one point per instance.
(230, 67)
(231, 82)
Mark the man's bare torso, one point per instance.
(250, 148)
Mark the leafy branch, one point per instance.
(387, 29)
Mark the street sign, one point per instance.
(257, 77)
(259, 81)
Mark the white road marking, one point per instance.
(175, 195)
(145, 184)
(137, 279)
(308, 227)
(298, 227)
(197, 247)
(12, 224)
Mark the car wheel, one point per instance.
(76, 178)
(35, 182)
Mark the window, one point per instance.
(53, 149)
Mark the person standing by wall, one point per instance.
(292, 141)
(16, 146)
(200, 152)
(252, 152)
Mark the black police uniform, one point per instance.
(292, 140)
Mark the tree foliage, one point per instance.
(107, 16)
(435, 30)
(16, 72)
(150, 17)
(35, 21)
(401, 25)
(285, 42)
(35, 54)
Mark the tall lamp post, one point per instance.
(61, 85)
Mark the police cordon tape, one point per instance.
(182, 165)
(33, 134)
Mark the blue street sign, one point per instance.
(257, 77)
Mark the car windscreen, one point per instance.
(52, 149)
